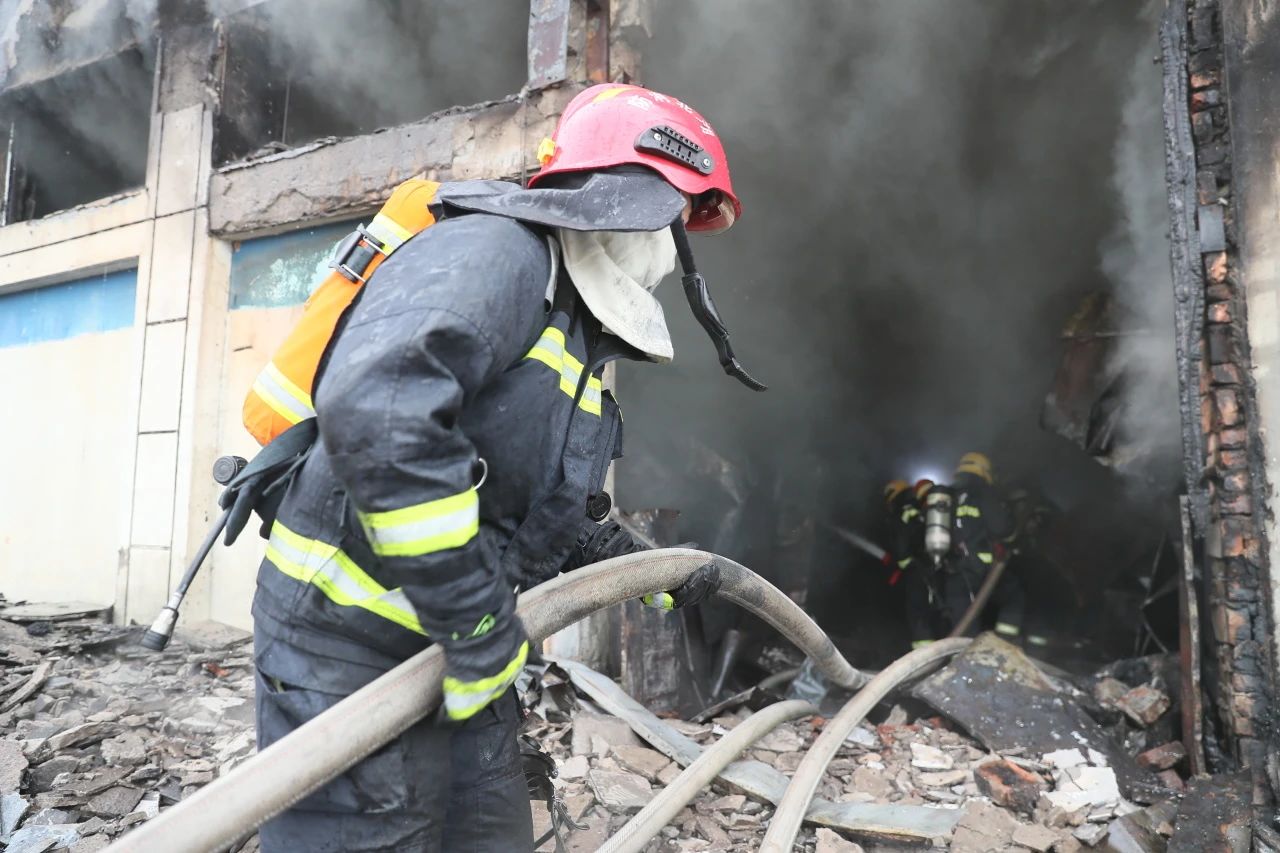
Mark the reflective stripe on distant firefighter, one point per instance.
(1007, 629)
(462, 699)
(550, 351)
(330, 570)
(909, 513)
(986, 557)
(968, 511)
(284, 397)
(391, 234)
(905, 562)
(424, 528)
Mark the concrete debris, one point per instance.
(833, 842)
(1035, 837)
(12, 765)
(1091, 834)
(639, 759)
(983, 828)
(98, 744)
(1163, 757)
(930, 758)
(1144, 705)
(619, 791)
(595, 734)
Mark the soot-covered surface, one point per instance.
(930, 189)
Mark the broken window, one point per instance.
(75, 137)
(296, 71)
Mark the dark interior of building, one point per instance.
(300, 70)
(954, 239)
(77, 136)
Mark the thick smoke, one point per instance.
(930, 188)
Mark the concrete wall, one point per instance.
(158, 399)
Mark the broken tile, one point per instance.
(730, 803)
(830, 841)
(781, 739)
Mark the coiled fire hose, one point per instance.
(804, 782)
(268, 783)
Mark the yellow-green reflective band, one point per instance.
(660, 600)
(462, 699)
(1037, 640)
(904, 562)
(986, 557)
(424, 528)
(968, 511)
(330, 570)
(284, 397)
(391, 234)
(909, 513)
(920, 644)
(550, 350)
(1007, 629)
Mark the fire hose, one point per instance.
(649, 821)
(804, 782)
(271, 781)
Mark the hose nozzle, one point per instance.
(157, 637)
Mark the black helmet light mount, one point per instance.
(704, 310)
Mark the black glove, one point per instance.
(598, 542)
(697, 588)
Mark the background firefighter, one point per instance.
(980, 530)
(465, 436)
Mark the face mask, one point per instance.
(615, 273)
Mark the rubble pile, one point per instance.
(1010, 798)
(100, 734)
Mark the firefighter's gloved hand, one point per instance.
(481, 667)
(697, 588)
(597, 542)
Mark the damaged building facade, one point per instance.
(176, 175)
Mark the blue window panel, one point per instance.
(98, 304)
(272, 272)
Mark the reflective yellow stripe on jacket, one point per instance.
(284, 397)
(330, 570)
(424, 528)
(968, 511)
(462, 699)
(550, 351)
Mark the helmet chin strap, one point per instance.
(699, 296)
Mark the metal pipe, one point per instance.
(288, 770)
(649, 821)
(804, 782)
(979, 600)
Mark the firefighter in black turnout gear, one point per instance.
(464, 440)
(981, 529)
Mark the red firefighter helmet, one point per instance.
(612, 124)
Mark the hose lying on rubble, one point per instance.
(804, 782)
(281, 775)
(649, 821)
